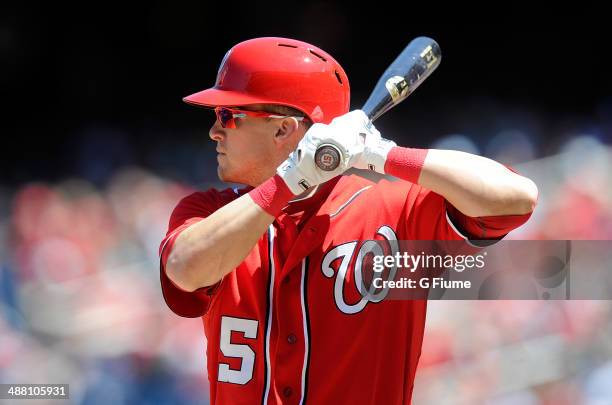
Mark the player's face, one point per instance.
(250, 152)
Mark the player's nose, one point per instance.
(216, 132)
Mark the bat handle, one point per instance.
(412, 66)
(368, 109)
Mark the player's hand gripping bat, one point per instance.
(416, 62)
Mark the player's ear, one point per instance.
(287, 129)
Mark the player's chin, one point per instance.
(221, 173)
(224, 173)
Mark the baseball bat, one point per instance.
(412, 66)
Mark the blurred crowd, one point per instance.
(80, 301)
(80, 297)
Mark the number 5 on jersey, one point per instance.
(248, 327)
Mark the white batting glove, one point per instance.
(376, 148)
(300, 172)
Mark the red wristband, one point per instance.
(272, 195)
(405, 163)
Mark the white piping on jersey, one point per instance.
(458, 232)
(270, 307)
(305, 326)
(350, 200)
(167, 240)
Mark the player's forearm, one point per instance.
(206, 251)
(203, 253)
(475, 185)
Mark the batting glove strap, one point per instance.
(375, 147)
(376, 153)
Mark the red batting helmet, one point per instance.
(279, 71)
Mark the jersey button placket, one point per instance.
(290, 354)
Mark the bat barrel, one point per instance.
(416, 62)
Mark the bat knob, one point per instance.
(328, 157)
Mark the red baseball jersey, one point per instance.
(289, 325)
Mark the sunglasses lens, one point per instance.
(225, 117)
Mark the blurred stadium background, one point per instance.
(101, 149)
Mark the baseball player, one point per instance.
(271, 268)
